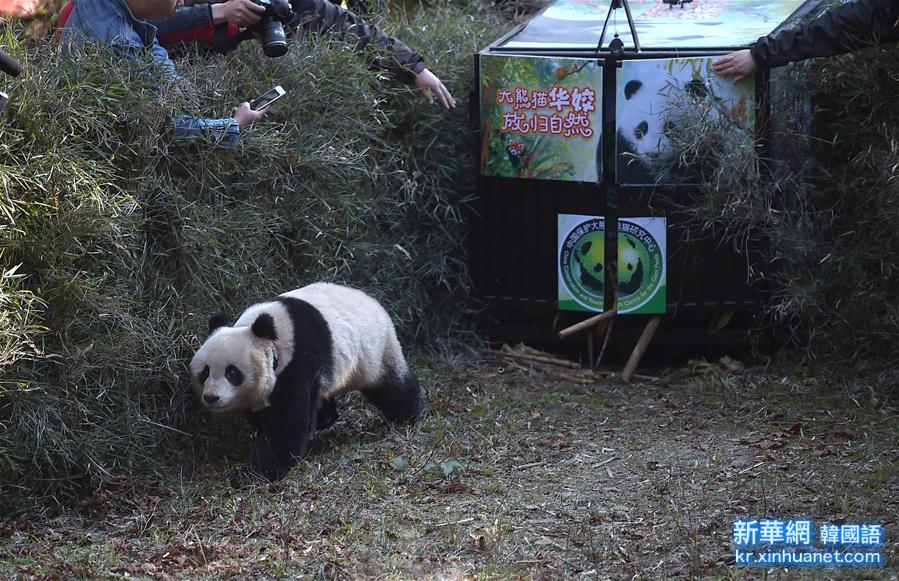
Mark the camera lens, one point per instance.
(274, 41)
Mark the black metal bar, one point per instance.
(610, 178)
(665, 52)
(615, 5)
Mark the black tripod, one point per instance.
(616, 45)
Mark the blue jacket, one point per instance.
(111, 23)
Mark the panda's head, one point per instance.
(234, 370)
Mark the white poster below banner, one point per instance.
(642, 274)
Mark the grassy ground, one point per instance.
(511, 474)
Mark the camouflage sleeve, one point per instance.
(323, 16)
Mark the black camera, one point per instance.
(271, 27)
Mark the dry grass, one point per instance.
(816, 213)
(510, 475)
(117, 242)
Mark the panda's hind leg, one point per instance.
(399, 397)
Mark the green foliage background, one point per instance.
(116, 244)
(818, 211)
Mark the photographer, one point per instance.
(220, 26)
(122, 26)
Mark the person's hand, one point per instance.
(430, 85)
(246, 116)
(245, 13)
(738, 64)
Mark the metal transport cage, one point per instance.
(574, 114)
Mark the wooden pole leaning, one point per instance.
(587, 323)
(640, 348)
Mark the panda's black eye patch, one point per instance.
(641, 130)
(204, 375)
(234, 375)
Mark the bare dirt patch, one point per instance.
(512, 473)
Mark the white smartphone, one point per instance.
(266, 99)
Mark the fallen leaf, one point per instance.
(848, 434)
(768, 444)
(454, 487)
(793, 428)
(825, 450)
(553, 442)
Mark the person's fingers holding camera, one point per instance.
(245, 116)
(244, 13)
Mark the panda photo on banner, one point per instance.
(655, 98)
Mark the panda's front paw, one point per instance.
(245, 477)
(327, 415)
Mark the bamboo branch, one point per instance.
(586, 324)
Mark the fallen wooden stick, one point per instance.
(534, 366)
(454, 523)
(508, 352)
(604, 462)
(586, 324)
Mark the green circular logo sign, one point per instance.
(641, 266)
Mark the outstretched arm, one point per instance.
(404, 63)
(432, 87)
(323, 16)
(841, 30)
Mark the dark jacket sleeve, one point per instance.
(323, 16)
(837, 31)
(187, 24)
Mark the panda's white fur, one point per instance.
(238, 347)
(364, 347)
(284, 361)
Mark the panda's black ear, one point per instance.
(217, 320)
(264, 327)
(631, 88)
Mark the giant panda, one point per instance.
(284, 361)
